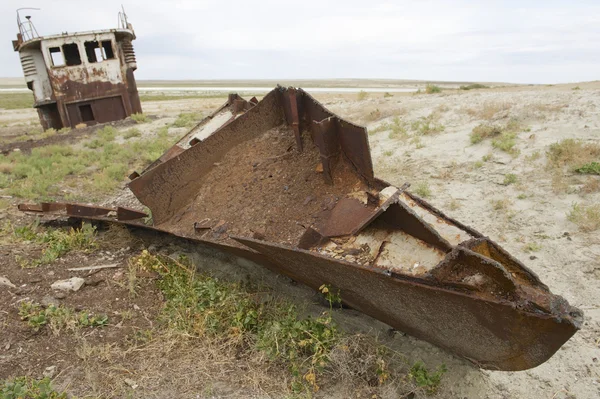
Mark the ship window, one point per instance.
(99, 51)
(86, 113)
(71, 53)
(56, 56)
(108, 50)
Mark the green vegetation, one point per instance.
(388, 153)
(29, 388)
(587, 218)
(45, 172)
(58, 318)
(387, 95)
(432, 89)
(397, 128)
(474, 86)
(532, 247)
(187, 119)
(576, 88)
(133, 132)
(422, 190)
(484, 131)
(504, 137)
(427, 125)
(16, 100)
(200, 305)
(56, 242)
(509, 179)
(362, 95)
(592, 168)
(253, 321)
(140, 118)
(425, 379)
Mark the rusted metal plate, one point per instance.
(346, 218)
(87, 210)
(492, 334)
(129, 214)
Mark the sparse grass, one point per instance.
(587, 218)
(374, 115)
(432, 89)
(489, 110)
(500, 204)
(56, 243)
(575, 155)
(531, 247)
(311, 348)
(16, 100)
(422, 189)
(45, 172)
(387, 95)
(140, 118)
(477, 164)
(427, 125)
(484, 131)
(474, 86)
(398, 128)
(186, 119)
(130, 133)
(576, 88)
(362, 95)
(58, 318)
(388, 153)
(509, 179)
(29, 388)
(591, 185)
(453, 204)
(506, 142)
(521, 196)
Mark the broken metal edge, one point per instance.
(447, 318)
(556, 328)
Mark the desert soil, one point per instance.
(532, 225)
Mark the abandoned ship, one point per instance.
(79, 78)
(288, 184)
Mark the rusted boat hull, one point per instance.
(390, 254)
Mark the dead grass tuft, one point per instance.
(572, 153)
(591, 185)
(587, 218)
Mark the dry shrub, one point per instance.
(484, 131)
(572, 153)
(587, 218)
(6, 168)
(491, 108)
(591, 185)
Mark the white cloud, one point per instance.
(524, 41)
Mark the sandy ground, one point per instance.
(464, 186)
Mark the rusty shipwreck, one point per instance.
(79, 77)
(288, 184)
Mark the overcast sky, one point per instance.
(506, 41)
